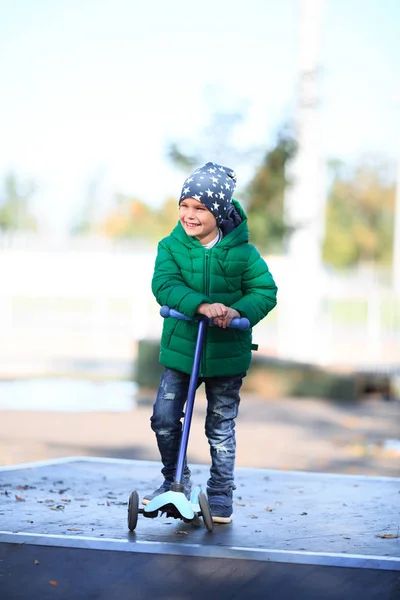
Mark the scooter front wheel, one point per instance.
(205, 512)
(133, 510)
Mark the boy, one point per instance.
(207, 267)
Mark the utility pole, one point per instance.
(304, 202)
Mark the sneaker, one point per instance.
(160, 490)
(165, 487)
(221, 507)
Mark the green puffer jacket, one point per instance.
(233, 273)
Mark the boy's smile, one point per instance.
(197, 220)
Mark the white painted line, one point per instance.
(131, 544)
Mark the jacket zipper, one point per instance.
(207, 269)
(207, 291)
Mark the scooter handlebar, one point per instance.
(237, 323)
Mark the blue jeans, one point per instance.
(222, 409)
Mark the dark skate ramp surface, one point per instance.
(294, 535)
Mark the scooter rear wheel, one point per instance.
(205, 512)
(133, 510)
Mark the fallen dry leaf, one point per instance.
(58, 507)
(388, 536)
(239, 504)
(54, 583)
(19, 498)
(351, 422)
(74, 529)
(268, 508)
(181, 532)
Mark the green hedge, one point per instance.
(273, 378)
(147, 369)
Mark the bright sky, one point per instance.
(97, 88)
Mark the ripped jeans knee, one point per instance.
(166, 420)
(222, 409)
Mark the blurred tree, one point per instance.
(168, 216)
(181, 160)
(85, 222)
(264, 196)
(133, 219)
(215, 143)
(359, 217)
(128, 218)
(14, 205)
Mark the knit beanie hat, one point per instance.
(213, 185)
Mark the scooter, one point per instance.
(174, 503)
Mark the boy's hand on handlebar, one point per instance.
(213, 311)
(225, 321)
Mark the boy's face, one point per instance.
(197, 220)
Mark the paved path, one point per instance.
(288, 434)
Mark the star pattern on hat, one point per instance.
(212, 185)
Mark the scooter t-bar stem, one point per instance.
(180, 465)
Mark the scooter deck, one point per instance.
(178, 501)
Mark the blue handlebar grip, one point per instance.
(166, 311)
(240, 323)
